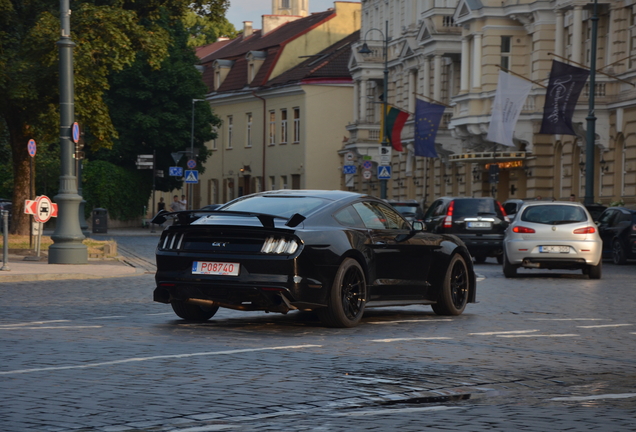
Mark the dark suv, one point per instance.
(617, 228)
(410, 209)
(479, 222)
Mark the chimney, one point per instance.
(247, 29)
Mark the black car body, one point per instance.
(479, 222)
(333, 252)
(617, 228)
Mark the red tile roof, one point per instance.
(206, 50)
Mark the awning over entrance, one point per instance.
(490, 157)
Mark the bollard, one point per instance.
(5, 237)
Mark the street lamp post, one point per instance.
(190, 188)
(67, 247)
(385, 48)
(591, 118)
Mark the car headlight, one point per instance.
(279, 246)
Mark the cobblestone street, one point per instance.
(546, 351)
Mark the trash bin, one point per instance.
(100, 220)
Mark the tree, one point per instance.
(109, 35)
(204, 31)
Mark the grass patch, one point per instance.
(22, 242)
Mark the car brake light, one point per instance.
(523, 230)
(448, 220)
(503, 212)
(586, 230)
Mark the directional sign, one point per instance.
(176, 172)
(192, 176)
(349, 169)
(384, 172)
(76, 133)
(31, 147)
(192, 164)
(150, 157)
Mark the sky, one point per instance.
(252, 10)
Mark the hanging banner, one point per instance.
(509, 99)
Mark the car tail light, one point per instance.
(586, 230)
(279, 246)
(523, 230)
(503, 212)
(448, 220)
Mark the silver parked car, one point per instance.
(553, 235)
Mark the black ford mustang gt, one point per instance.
(333, 252)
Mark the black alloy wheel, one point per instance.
(454, 295)
(348, 296)
(618, 253)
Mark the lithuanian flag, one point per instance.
(395, 119)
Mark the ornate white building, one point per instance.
(451, 52)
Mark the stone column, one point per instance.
(559, 36)
(465, 66)
(412, 89)
(437, 83)
(476, 69)
(427, 77)
(577, 34)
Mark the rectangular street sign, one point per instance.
(139, 163)
(192, 176)
(145, 157)
(176, 172)
(349, 169)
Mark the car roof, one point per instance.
(334, 195)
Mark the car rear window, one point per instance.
(277, 205)
(474, 207)
(554, 214)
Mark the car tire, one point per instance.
(480, 259)
(500, 258)
(347, 298)
(595, 271)
(192, 312)
(453, 298)
(509, 270)
(618, 253)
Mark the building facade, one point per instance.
(451, 52)
(285, 95)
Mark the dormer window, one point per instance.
(255, 60)
(221, 69)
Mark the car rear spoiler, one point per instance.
(186, 217)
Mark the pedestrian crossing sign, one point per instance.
(384, 172)
(192, 176)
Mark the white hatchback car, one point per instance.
(553, 235)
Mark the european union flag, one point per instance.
(427, 118)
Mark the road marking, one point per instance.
(161, 357)
(603, 396)
(537, 335)
(394, 411)
(567, 319)
(407, 321)
(409, 339)
(49, 327)
(502, 332)
(605, 325)
(32, 323)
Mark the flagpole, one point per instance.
(596, 70)
(591, 118)
(522, 77)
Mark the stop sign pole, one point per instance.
(67, 247)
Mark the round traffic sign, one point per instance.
(367, 165)
(350, 157)
(76, 133)
(31, 147)
(43, 209)
(366, 174)
(192, 164)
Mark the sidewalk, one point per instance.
(21, 270)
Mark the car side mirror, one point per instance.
(419, 226)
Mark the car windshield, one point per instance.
(554, 214)
(277, 205)
(406, 210)
(474, 207)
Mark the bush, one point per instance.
(122, 192)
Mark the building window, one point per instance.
(248, 141)
(284, 4)
(283, 126)
(505, 51)
(217, 80)
(272, 127)
(216, 134)
(283, 182)
(296, 125)
(230, 131)
(272, 183)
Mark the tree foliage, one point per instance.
(109, 36)
(204, 31)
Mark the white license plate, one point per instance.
(554, 249)
(215, 268)
(479, 224)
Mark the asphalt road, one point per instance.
(547, 351)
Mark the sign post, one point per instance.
(32, 148)
(42, 210)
